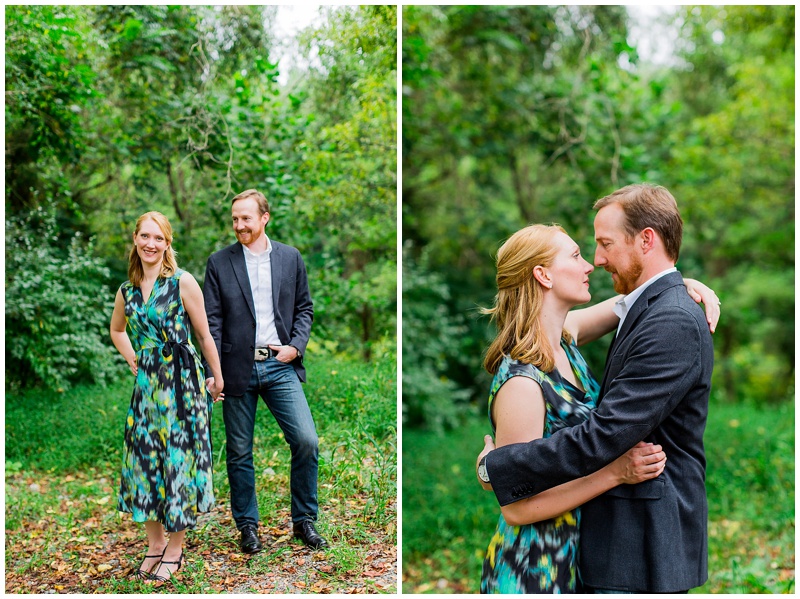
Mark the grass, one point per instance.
(63, 532)
(448, 519)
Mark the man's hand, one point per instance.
(211, 386)
(487, 447)
(286, 353)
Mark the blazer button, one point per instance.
(253, 348)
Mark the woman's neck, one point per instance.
(150, 272)
(552, 319)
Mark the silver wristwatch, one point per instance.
(482, 473)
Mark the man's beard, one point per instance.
(248, 235)
(627, 281)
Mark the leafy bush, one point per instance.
(57, 306)
(430, 335)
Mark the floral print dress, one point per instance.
(542, 557)
(166, 466)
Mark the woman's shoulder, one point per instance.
(186, 283)
(180, 275)
(510, 368)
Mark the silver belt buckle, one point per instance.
(262, 353)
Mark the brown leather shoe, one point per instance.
(308, 534)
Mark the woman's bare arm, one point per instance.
(192, 298)
(119, 337)
(588, 324)
(519, 415)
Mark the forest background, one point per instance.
(112, 111)
(516, 115)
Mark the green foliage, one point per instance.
(429, 397)
(448, 519)
(751, 498)
(112, 111)
(90, 420)
(49, 88)
(509, 117)
(521, 114)
(736, 183)
(347, 177)
(354, 407)
(57, 307)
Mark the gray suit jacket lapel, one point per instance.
(239, 267)
(638, 308)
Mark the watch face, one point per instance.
(482, 474)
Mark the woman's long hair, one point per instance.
(518, 304)
(168, 266)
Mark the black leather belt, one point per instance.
(264, 353)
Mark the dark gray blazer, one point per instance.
(651, 536)
(231, 312)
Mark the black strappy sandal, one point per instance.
(147, 574)
(158, 578)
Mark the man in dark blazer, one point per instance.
(649, 537)
(259, 313)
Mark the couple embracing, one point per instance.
(601, 484)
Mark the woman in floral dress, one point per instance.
(166, 471)
(542, 384)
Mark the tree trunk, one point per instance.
(523, 190)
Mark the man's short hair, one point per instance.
(647, 205)
(263, 205)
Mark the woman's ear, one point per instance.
(542, 276)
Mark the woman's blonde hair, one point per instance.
(518, 303)
(168, 266)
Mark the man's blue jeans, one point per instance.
(277, 384)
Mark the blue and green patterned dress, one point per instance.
(166, 467)
(542, 557)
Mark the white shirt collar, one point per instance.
(624, 304)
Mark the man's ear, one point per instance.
(649, 240)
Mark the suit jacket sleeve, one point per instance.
(303, 308)
(659, 366)
(213, 305)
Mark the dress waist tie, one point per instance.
(180, 355)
